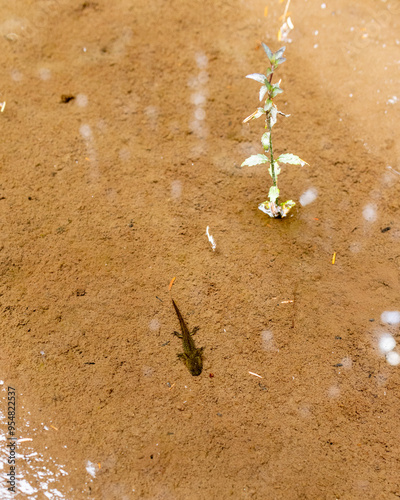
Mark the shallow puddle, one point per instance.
(122, 140)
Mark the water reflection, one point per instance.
(37, 476)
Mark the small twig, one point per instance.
(286, 9)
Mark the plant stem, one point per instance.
(271, 151)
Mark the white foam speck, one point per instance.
(392, 100)
(91, 468)
(390, 317)
(369, 213)
(308, 197)
(393, 358)
(386, 343)
(323, 5)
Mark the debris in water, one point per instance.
(171, 283)
(211, 239)
(287, 25)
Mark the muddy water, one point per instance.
(122, 140)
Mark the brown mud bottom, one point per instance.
(106, 196)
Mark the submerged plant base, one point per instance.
(277, 210)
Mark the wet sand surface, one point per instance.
(121, 142)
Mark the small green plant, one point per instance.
(273, 207)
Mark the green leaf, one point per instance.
(257, 113)
(275, 90)
(263, 91)
(279, 52)
(267, 51)
(254, 160)
(280, 60)
(286, 207)
(273, 112)
(268, 105)
(268, 72)
(265, 141)
(292, 159)
(273, 194)
(258, 77)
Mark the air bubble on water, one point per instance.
(154, 325)
(355, 247)
(386, 343)
(193, 82)
(198, 98)
(393, 358)
(333, 391)
(347, 363)
(201, 60)
(308, 197)
(390, 317)
(82, 100)
(203, 77)
(124, 154)
(267, 340)
(369, 212)
(151, 112)
(44, 74)
(199, 114)
(176, 189)
(85, 131)
(16, 75)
